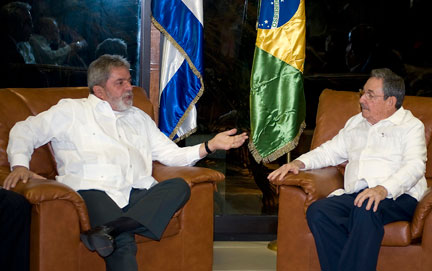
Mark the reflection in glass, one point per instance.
(51, 42)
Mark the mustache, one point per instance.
(364, 106)
(128, 94)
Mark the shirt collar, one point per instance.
(105, 107)
(396, 118)
(99, 104)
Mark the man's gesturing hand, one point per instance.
(227, 140)
(375, 195)
(19, 173)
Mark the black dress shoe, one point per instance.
(99, 239)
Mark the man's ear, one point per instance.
(392, 101)
(99, 92)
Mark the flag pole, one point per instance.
(272, 245)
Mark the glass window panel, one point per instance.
(345, 40)
(67, 35)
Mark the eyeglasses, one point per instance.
(368, 94)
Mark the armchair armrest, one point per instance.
(192, 175)
(37, 191)
(317, 183)
(423, 209)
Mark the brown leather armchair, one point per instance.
(406, 245)
(59, 213)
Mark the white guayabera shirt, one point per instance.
(391, 153)
(98, 148)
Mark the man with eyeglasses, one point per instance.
(384, 179)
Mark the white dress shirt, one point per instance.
(391, 153)
(26, 51)
(98, 148)
(44, 54)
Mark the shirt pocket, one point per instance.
(140, 142)
(388, 146)
(108, 175)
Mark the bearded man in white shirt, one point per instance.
(384, 179)
(104, 148)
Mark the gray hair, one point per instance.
(99, 70)
(393, 85)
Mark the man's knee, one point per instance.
(366, 217)
(361, 211)
(180, 186)
(16, 203)
(314, 212)
(184, 186)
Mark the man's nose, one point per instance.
(128, 85)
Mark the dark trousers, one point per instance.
(349, 237)
(14, 231)
(152, 208)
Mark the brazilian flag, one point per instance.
(277, 102)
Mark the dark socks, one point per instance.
(122, 224)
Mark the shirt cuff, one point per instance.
(393, 191)
(305, 161)
(19, 160)
(337, 192)
(194, 155)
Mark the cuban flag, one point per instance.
(181, 82)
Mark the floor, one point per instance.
(238, 195)
(250, 255)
